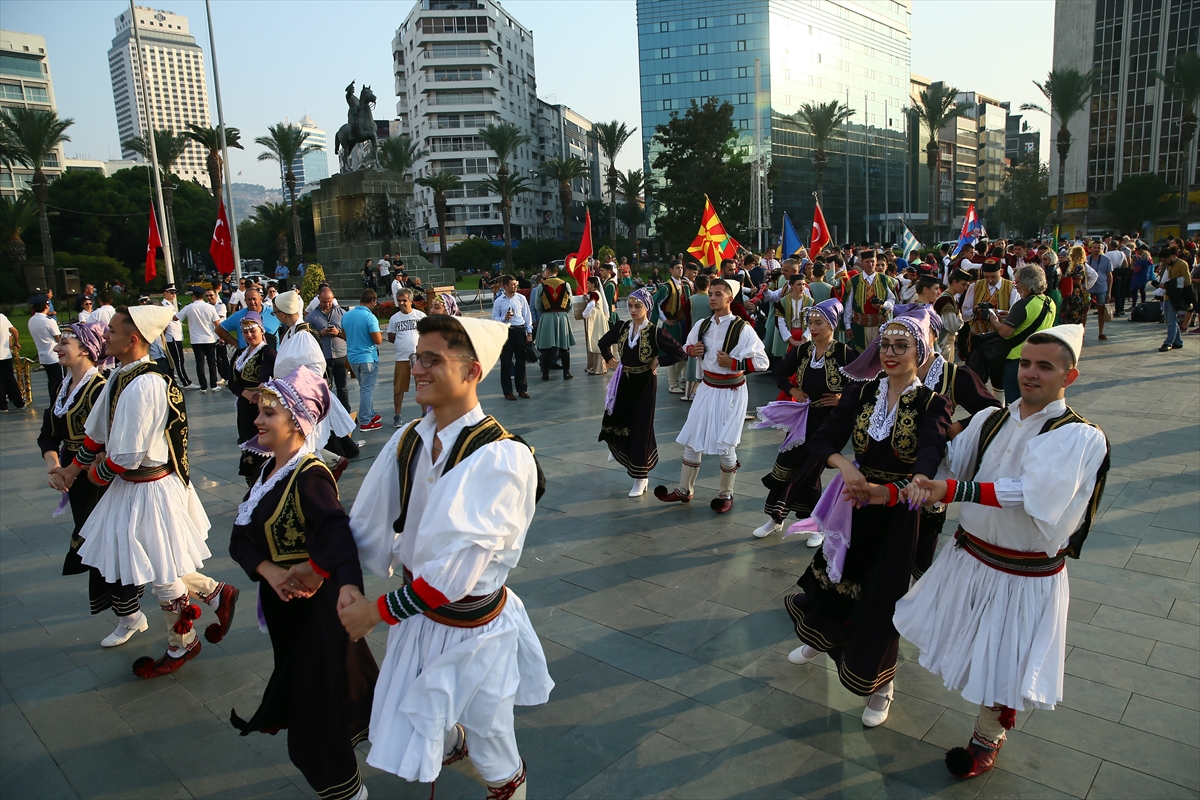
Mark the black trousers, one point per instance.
(176, 349)
(10, 391)
(222, 360)
(550, 355)
(206, 354)
(1120, 290)
(512, 360)
(54, 379)
(335, 373)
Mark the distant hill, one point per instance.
(248, 195)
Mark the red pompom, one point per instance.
(189, 612)
(143, 667)
(1008, 718)
(182, 626)
(960, 762)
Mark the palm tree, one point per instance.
(1183, 83)
(1068, 91)
(285, 144)
(32, 135)
(210, 140)
(400, 154)
(440, 182)
(15, 218)
(170, 147)
(562, 171)
(634, 184)
(507, 187)
(277, 218)
(936, 107)
(822, 121)
(611, 137)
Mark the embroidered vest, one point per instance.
(836, 357)
(732, 336)
(1002, 300)
(251, 374)
(904, 429)
(555, 296)
(879, 283)
(471, 438)
(673, 304)
(284, 529)
(646, 348)
(177, 425)
(991, 426)
(76, 418)
(786, 308)
(945, 386)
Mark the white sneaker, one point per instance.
(872, 718)
(675, 390)
(611, 458)
(815, 539)
(767, 528)
(639, 487)
(191, 386)
(124, 633)
(802, 655)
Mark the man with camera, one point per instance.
(992, 293)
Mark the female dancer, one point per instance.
(79, 349)
(898, 429)
(595, 325)
(809, 375)
(628, 424)
(698, 310)
(292, 534)
(253, 365)
(1073, 285)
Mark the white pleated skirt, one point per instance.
(715, 420)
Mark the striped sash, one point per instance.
(1014, 562)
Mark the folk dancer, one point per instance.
(698, 311)
(791, 313)
(595, 326)
(150, 526)
(671, 313)
(251, 368)
(461, 651)
(553, 336)
(729, 349)
(292, 536)
(779, 286)
(611, 292)
(898, 429)
(80, 349)
(871, 295)
(1030, 477)
(811, 383)
(628, 423)
(946, 306)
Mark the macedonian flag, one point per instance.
(712, 243)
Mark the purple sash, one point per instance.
(832, 517)
(786, 415)
(610, 394)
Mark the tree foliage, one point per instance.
(473, 255)
(1139, 198)
(1024, 203)
(699, 156)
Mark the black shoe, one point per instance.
(1164, 348)
(567, 376)
(1177, 346)
(545, 376)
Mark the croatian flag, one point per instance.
(972, 230)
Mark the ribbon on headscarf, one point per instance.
(610, 394)
(785, 415)
(833, 517)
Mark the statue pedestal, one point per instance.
(362, 215)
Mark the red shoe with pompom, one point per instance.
(978, 757)
(147, 667)
(217, 630)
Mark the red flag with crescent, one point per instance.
(152, 244)
(820, 233)
(221, 247)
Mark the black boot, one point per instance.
(564, 358)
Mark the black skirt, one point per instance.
(629, 429)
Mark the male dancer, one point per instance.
(608, 282)
(671, 304)
(870, 297)
(728, 349)
(461, 651)
(553, 336)
(990, 615)
(150, 526)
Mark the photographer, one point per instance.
(991, 292)
(1032, 313)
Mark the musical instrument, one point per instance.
(23, 367)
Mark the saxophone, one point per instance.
(23, 368)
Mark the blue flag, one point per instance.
(972, 230)
(910, 243)
(791, 242)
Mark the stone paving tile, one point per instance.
(663, 628)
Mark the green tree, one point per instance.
(276, 218)
(699, 155)
(16, 216)
(98, 270)
(937, 108)
(823, 120)
(210, 139)
(1024, 202)
(562, 171)
(504, 138)
(314, 276)
(400, 154)
(31, 136)
(285, 145)
(634, 185)
(170, 146)
(476, 255)
(507, 187)
(1182, 81)
(1068, 91)
(530, 254)
(611, 137)
(1138, 198)
(440, 183)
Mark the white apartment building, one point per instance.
(561, 133)
(314, 167)
(25, 82)
(175, 77)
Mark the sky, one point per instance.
(281, 59)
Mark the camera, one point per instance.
(983, 309)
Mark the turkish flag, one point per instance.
(152, 245)
(580, 270)
(221, 247)
(820, 233)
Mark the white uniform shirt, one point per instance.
(44, 331)
(103, 314)
(5, 347)
(202, 319)
(174, 330)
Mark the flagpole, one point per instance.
(867, 169)
(887, 197)
(229, 215)
(848, 237)
(164, 235)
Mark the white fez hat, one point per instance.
(1070, 335)
(151, 321)
(288, 302)
(487, 338)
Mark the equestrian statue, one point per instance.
(359, 127)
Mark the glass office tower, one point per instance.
(810, 51)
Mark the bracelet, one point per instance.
(893, 494)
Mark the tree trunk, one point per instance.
(505, 214)
(439, 208)
(564, 199)
(1064, 147)
(612, 212)
(214, 176)
(15, 253)
(291, 182)
(41, 188)
(281, 248)
(1187, 129)
(933, 154)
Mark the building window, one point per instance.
(703, 49)
(666, 105)
(741, 45)
(743, 98)
(476, 166)
(742, 72)
(454, 25)
(449, 121)
(11, 91)
(703, 74)
(665, 52)
(664, 27)
(702, 22)
(666, 78)
(458, 74)
(744, 124)
(741, 19)
(456, 50)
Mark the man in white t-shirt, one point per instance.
(237, 300)
(44, 331)
(402, 331)
(384, 266)
(10, 390)
(104, 309)
(202, 319)
(213, 298)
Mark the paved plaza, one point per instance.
(663, 626)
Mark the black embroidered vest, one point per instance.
(284, 529)
(731, 336)
(177, 424)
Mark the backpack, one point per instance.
(1146, 312)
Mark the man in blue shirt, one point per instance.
(363, 337)
(282, 273)
(232, 326)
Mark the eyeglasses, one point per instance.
(895, 348)
(429, 360)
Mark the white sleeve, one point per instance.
(784, 331)
(750, 348)
(693, 336)
(1058, 472)
(952, 321)
(961, 450)
(773, 295)
(589, 309)
(140, 419)
(375, 510)
(968, 308)
(1014, 298)
(848, 309)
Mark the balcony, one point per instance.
(438, 146)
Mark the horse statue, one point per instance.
(359, 128)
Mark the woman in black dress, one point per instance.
(812, 374)
(628, 424)
(80, 349)
(898, 430)
(252, 366)
(292, 534)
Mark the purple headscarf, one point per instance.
(253, 317)
(644, 297)
(916, 323)
(304, 393)
(90, 336)
(830, 309)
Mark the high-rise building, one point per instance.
(857, 53)
(175, 74)
(1131, 125)
(1021, 142)
(25, 82)
(562, 133)
(311, 168)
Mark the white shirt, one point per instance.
(219, 307)
(748, 348)
(968, 309)
(103, 314)
(174, 329)
(396, 287)
(202, 319)
(384, 266)
(404, 328)
(44, 331)
(138, 436)
(84, 316)
(237, 300)
(1116, 257)
(5, 347)
(520, 308)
